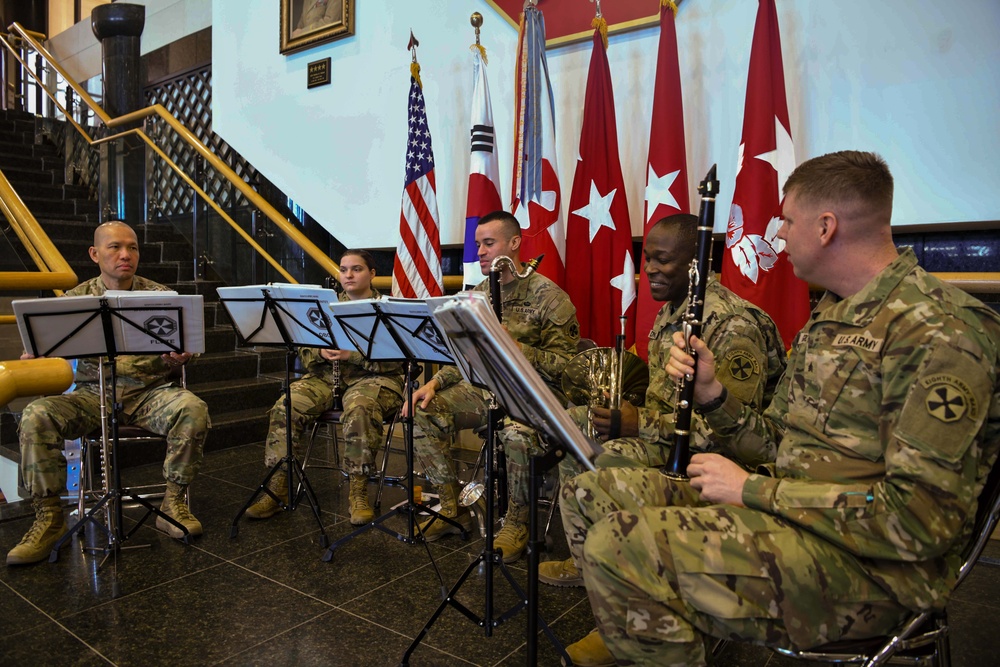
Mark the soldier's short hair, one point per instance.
(844, 177)
(369, 260)
(511, 226)
(685, 227)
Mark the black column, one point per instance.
(118, 27)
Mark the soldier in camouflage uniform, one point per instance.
(886, 424)
(542, 319)
(737, 331)
(150, 399)
(369, 392)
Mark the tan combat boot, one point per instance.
(590, 652)
(560, 573)
(175, 506)
(266, 506)
(513, 537)
(361, 511)
(434, 529)
(37, 543)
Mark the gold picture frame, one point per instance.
(309, 23)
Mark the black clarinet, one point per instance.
(701, 265)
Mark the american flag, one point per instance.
(416, 272)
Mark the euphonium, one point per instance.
(680, 455)
(496, 269)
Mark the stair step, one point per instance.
(19, 177)
(24, 160)
(218, 366)
(226, 396)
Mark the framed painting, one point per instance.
(309, 23)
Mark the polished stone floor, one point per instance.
(265, 597)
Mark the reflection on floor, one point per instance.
(266, 597)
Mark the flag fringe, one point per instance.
(601, 25)
(671, 4)
(482, 52)
(415, 73)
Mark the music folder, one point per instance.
(141, 322)
(483, 347)
(302, 309)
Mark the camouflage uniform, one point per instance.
(542, 319)
(149, 400)
(886, 422)
(751, 360)
(370, 390)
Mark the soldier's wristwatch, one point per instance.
(714, 404)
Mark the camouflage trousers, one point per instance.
(463, 406)
(664, 569)
(168, 410)
(365, 402)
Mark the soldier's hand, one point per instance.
(27, 355)
(718, 479)
(334, 355)
(601, 418)
(422, 396)
(681, 364)
(175, 359)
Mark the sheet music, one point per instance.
(424, 340)
(358, 321)
(45, 323)
(147, 322)
(300, 307)
(475, 336)
(158, 321)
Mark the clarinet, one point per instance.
(338, 403)
(691, 326)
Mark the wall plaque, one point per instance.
(319, 73)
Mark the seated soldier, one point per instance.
(737, 331)
(540, 317)
(886, 423)
(370, 391)
(149, 400)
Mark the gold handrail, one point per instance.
(188, 137)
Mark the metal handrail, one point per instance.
(189, 138)
(54, 271)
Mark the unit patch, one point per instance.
(949, 398)
(742, 365)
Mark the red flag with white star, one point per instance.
(754, 264)
(666, 172)
(601, 282)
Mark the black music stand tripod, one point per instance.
(283, 319)
(488, 357)
(110, 346)
(395, 331)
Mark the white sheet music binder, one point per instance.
(481, 345)
(146, 322)
(308, 324)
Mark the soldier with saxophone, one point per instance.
(736, 330)
(542, 319)
(367, 390)
(883, 442)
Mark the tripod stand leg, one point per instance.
(306, 488)
(80, 526)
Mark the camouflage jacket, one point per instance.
(750, 359)
(135, 372)
(356, 367)
(890, 410)
(542, 319)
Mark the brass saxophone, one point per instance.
(701, 265)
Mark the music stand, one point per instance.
(485, 351)
(288, 316)
(395, 330)
(96, 328)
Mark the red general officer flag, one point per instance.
(599, 234)
(755, 265)
(666, 173)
